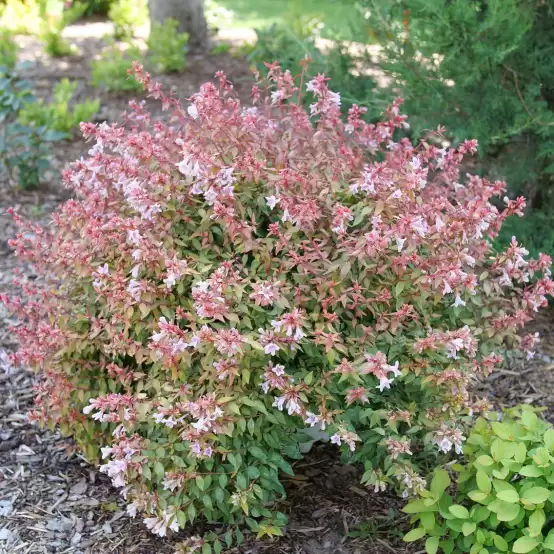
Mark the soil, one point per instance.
(52, 501)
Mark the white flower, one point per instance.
(279, 370)
(279, 403)
(272, 201)
(271, 348)
(400, 243)
(335, 439)
(384, 383)
(334, 97)
(277, 95)
(132, 509)
(311, 419)
(394, 369)
(445, 445)
(106, 451)
(192, 110)
(458, 301)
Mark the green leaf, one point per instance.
(200, 483)
(191, 512)
(484, 461)
(159, 470)
(508, 496)
(530, 471)
(500, 543)
(549, 541)
(498, 450)
(549, 439)
(483, 482)
(530, 420)
(536, 521)
(206, 548)
(480, 513)
(536, 495)
(459, 511)
(427, 520)
(477, 496)
(417, 506)
(524, 544)
(468, 527)
(414, 534)
(432, 545)
(440, 482)
(506, 511)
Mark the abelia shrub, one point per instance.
(228, 276)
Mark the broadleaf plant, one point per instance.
(503, 497)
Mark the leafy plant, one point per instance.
(503, 500)
(8, 50)
(56, 16)
(221, 48)
(59, 115)
(483, 69)
(537, 226)
(25, 153)
(127, 15)
(24, 150)
(110, 71)
(167, 47)
(228, 277)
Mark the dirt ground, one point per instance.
(52, 501)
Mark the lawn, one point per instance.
(335, 14)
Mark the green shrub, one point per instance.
(110, 71)
(538, 228)
(483, 69)
(503, 499)
(166, 47)
(59, 115)
(24, 150)
(8, 50)
(127, 15)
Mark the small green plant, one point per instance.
(221, 48)
(24, 150)
(127, 15)
(110, 70)
(504, 500)
(55, 18)
(167, 47)
(25, 153)
(59, 115)
(8, 50)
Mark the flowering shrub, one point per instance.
(234, 274)
(504, 500)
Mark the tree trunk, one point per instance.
(189, 14)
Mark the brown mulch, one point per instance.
(53, 501)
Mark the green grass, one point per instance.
(335, 14)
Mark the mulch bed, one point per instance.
(53, 501)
